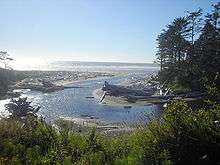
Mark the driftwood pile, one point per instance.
(116, 90)
(133, 95)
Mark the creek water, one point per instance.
(78, 102)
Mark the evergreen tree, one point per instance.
(208, 50)
(172, 49)
(189, 53)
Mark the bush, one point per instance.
(180, 136)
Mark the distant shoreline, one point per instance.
(49, 81)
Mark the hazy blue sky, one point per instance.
(88, 30)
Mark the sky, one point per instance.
(88, 30)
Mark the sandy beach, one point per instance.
(84, 124)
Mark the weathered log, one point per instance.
(103, 97)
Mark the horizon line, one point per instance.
(124, 62)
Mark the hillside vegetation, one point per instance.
(189, 53)
(182, 135)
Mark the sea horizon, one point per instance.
(84, 66)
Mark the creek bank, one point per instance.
(51, 81)
(40, 85)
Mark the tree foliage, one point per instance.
(21, 108)
(5, 59)
(189, 51)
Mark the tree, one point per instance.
(214, 17)
(208, 51)
(194, 20)
(172, 49)
(161, 53)
(189, 52)
(21, 108)
(5, 58)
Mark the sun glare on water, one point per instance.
(29, 64)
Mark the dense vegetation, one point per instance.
(6, 77)
(189, 53)
(182, 135)
(6, 74)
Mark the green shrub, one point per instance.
(180, 136)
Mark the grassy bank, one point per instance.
(181, 136)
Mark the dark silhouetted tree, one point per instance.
(5, 58)
(21, 108)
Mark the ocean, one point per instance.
(87, 66)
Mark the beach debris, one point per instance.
(165, 105)
(130, 99)
(90, 97)
(127, 107)
(46, 84)
(88, 116)
(103, 97)
(117, 90)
